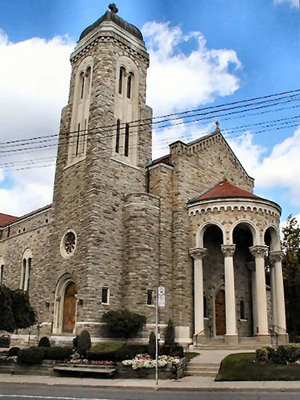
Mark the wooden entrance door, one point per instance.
(220, 313)
(69, 308)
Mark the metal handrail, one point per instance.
(197, 334)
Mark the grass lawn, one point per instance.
(240, 367)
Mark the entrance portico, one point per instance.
(231, 235)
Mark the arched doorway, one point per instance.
(69, 308)
(220, 313)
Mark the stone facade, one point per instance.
(121, 225)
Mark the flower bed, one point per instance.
(145, 361)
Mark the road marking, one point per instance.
(24, 396)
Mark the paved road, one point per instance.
(44, 392)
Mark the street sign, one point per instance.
(161, 297)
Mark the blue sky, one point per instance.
(217, 51)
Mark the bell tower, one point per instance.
(104, 144)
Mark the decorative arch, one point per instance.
(26, 265)
(124, 145)
(80, 112)
(201, 231)
(273, 241)
(253, 228)
(65, 307)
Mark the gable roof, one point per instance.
(6, 219)
(222, 190)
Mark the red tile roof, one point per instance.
(6, 219)
(222, 190)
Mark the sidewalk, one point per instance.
(188, 383)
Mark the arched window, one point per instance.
(1, 273)
(242, 310)
(126, 143)
(25, 271)
(121, 76)
(80, 111)
(23, 274)
(118, 136)
(81, 85)
(129, 84)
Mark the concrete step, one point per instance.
(203, 369)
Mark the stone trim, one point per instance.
(125, 163)
(228, 249)
(109, 36)
(251, 205)
(276, 256)
(258, 251)
(198, 252)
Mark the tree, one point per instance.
(291, 273)
(170, 334)
(15, 311)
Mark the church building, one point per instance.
(121, 224)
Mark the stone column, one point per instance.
(275, 258)
(274, 295)
(259, 253)
(231, 331)
(198, 254)
(251, 267)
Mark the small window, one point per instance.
(129, 84)
(118, 136)
(23, 275)
(1, 274)
(150, 297)
(242, 310)
(82, 85)
(8, 231)
(122, 70)
(105, 295)
(126, 145)
(77, 140)
(205, 310)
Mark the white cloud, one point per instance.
(178, 81)
(34, 80)
(292, 3)
(280, 169)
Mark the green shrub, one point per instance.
(83, 343)
(152, 345)
(173, 351)
(104, 351)
(32, 355)
(44, 342)
(170, 334)
(129, 351)
(13, 351)
(123, 323)
(262, 354)
(57, 353)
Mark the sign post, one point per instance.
(160, 302)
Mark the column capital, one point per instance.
(228, 249)
(198, 252)
(258, 251)
(276, 256)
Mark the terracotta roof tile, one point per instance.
(6, 219)
(222, 190)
